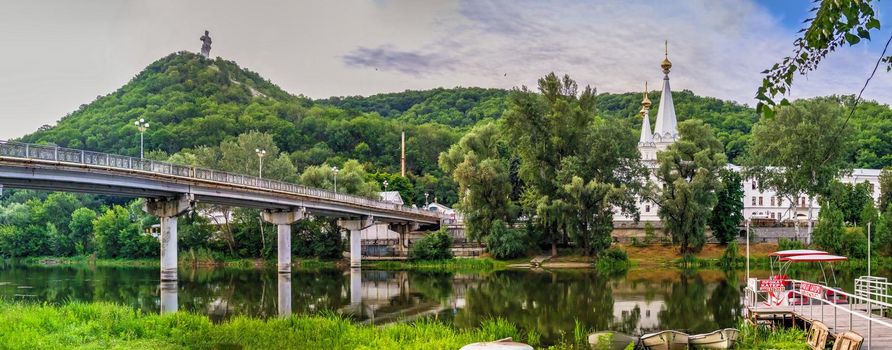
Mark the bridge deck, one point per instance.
(838, 321)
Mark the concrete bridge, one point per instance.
(171, 190)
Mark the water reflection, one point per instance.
(284, 288)
(550, 302)
(169, 300)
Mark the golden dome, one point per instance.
(666, 65)
(645, 103)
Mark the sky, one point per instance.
(59, 54)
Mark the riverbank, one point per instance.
(449, 265)
(104, 325)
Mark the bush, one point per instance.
(318, 237)
(789, 244)
(731, 255)
(855, 244)
(506, 242)
(613, 260)
(434, 246)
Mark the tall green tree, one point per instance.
(575, 166)
(728, 211)
(885, 189)
(479, 167)
(689, 172)
(802, 149)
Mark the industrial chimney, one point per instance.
(403, 154)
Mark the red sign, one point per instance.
(811, 290)
(771, 286)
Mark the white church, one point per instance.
(763, 205)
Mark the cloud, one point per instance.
(389, 58)
(718, 48)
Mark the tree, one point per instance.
(478, 166)
(728, 211)
(575, 167)
(240, 156)
(689, 174)
(885, 189)
(351, 179)
(833, 25)
(830, 229)
(796, 151)
(117, 236)
(81, 230)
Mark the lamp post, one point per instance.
(260, 154)
(334, 170)
(142, 126)
(425, 198)
(385, 185)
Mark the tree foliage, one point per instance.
(689, 171)
(728, 211)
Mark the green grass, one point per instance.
(761, 337)
(449, 265)
(108, 326)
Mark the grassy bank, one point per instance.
(108, 326)
(448, 265)
(753, 337)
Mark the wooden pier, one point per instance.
(876, 335)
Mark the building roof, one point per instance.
(665, 127)
(392, 197)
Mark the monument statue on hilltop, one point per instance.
(206, 44)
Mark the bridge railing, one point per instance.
(76, 156)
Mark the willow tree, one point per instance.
(478, 164)
(689, 172)
(576, 167)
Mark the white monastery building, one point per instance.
(757, 204)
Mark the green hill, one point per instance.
(191, 101)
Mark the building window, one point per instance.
(753, 185)
(647, 208)
(772, 215)
(760, 200)
(802, 201)
(772, 201)
(754, 200)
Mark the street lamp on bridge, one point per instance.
(142, 126)
(385, 185)
(334, 170)
(260, 154)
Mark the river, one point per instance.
(549, 302)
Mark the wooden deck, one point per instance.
(838, 321)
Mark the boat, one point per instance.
(501, 344)
(617, 341)
(720, 339)
(665, 340)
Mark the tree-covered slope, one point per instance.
(458, 107)
(188, 101)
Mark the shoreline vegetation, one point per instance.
(79, 325)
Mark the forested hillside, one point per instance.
(192, 102)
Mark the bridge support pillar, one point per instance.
(284, 289)
(356, 227)
(283, 221)
(168, 210)
(169, 301)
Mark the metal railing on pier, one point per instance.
(858, 312)
(113, 161)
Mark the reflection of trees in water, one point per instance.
(548, 302)
(628, 323)
(436, 286)
(725, 301)
(685, 305)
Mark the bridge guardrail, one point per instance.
(84, 157)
